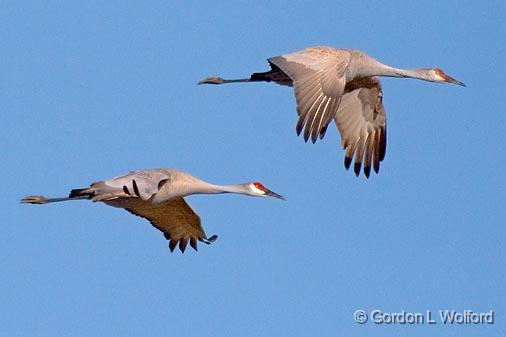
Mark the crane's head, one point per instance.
(259, 190)
(439, 76)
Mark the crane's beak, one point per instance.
(274, 195)
(454, 81)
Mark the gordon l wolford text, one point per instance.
(445, 317)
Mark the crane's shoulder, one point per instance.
(324, 51)
(316, 58)
(149, 174)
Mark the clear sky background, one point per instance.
(90, 91)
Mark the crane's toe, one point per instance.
(212, 80)
(34, 199)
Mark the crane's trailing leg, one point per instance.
(273, 75)
(219, 80)
(75, 194)
(41, 200)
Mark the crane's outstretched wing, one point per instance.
(174, 218)
(361, 121)
(319, 80)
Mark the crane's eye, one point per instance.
(440, 73)
(259, 186)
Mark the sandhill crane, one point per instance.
(158, 196)
(339, 84)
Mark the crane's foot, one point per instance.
(34, 199)
(212, 80)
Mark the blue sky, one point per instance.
(89, 91)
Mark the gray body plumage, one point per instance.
(157, 185)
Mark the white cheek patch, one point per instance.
(257, 190)
(440, 76)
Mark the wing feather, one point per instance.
(305, 107)
(368, 153)
(174, 218)
(361, 121)
(359, 154)
(319, 80)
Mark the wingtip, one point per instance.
(376, 167)
(182, 245)
(172, 245)
(323, 129)
(298, 129)
(367, 171)
(193, 244)
(356, 168)
(347, 162)
(322, 133)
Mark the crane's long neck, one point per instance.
(207, 188)
(376, 68)
(412, 73)
(191, 185)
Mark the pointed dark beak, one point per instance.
(454, 81)
(273, 194)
